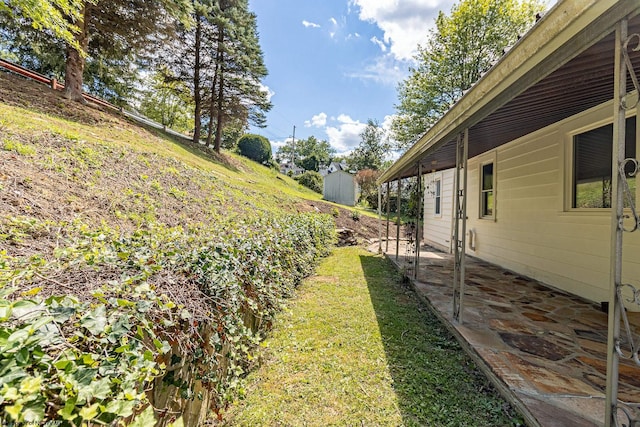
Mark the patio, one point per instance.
(544, 349)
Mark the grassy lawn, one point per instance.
(356, 347)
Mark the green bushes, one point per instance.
(311, 180)
(173, 328)
(255, 147)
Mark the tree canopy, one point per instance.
(458, 51)
(373, 148)
(309, 153)
(203, 56)
(57, 16)
(255, 147)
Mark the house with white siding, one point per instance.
(534, 169)
(537, 133)
(438, 209)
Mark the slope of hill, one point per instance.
(129, 259)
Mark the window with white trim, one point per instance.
(591, 185)
(487, 193)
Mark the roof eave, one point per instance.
(563, 33)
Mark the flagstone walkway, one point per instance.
(544, 349)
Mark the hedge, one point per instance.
(144, 326)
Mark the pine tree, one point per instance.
(116, 30)
(239, 67)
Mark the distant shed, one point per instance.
(340, 187)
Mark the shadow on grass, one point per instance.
(435, 382)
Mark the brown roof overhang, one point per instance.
(562, 66)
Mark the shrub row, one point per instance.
(157, 324)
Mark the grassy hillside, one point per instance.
(134, 268)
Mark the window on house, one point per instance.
(438, 197)
(486, 190)
(592, 165)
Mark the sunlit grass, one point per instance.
(279, 190)
(357, 348)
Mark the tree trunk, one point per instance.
(216, 78)
(197, 97)
(75, 61)
(220, 117)
(212, 105)
(220, 109)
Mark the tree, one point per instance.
(309, 153)
(255, 147)
(56, 16)
(310, 163)
(366, 179)
(107, 39)
(117, 30)
(239, 67)
(373, 148)
(458, 51)
(167, 102)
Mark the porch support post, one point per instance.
(460, 225)
(380, 219)
(386, 250)
(398, 218)
(418, 214)
(617, 203)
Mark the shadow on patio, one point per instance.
(543, 348)
(435, 382)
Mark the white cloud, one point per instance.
(333, 21)
(276, 144)
(380, 43)
(319, 120)
(345, 135)
(405, 23)
(384, 70)
(310, 24)
(267, 90)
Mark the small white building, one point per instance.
(340, 187)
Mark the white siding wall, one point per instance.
(438, 228)
(535, 232)
(340, 187)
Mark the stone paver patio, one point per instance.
(544, 349)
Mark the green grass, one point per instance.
(258, 183)
(357, 348)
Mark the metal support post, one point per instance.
(622, 344)
(460, 225)
(386, 250)
(380, 219)
(418, 214)
(398, 218)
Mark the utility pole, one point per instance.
(293, 148)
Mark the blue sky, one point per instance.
(333, 64)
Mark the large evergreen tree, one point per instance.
(116, 30)
(239, 67)
(459, 50)
(106, 44)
